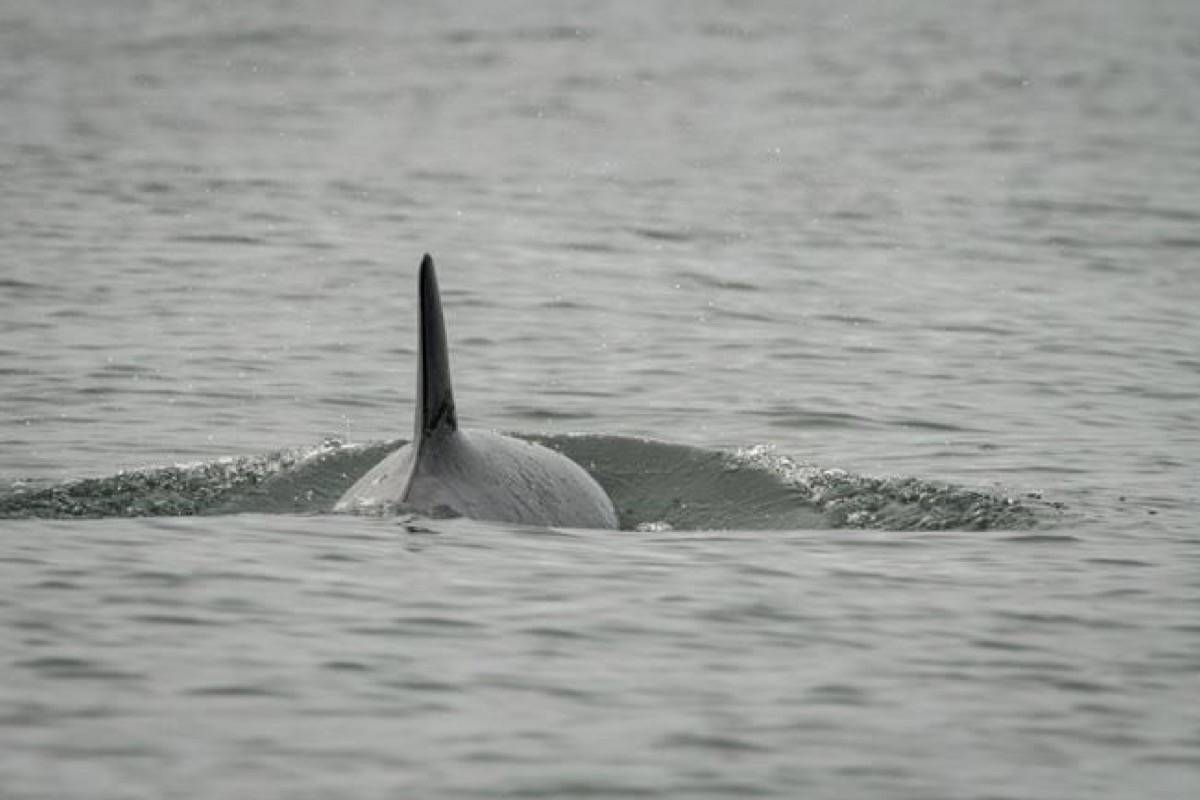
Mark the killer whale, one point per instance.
(450, 471)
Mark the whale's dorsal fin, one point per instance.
(483, 475)
(435, 398)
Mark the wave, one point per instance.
(654, 485)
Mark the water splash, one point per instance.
(848, 500)
(656, 486)
(221, 486)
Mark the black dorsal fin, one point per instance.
(435, 398)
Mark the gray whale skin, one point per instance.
(450, 471)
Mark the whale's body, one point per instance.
(449, 471)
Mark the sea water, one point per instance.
(876, 320)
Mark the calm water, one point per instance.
(848, 273)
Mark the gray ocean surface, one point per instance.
(878, 321)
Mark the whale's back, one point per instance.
(487, 476)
